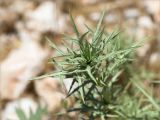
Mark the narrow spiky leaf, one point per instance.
(74, 26)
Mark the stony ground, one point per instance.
(24, 51)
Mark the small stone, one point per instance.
(68, 82)
(89, 2)
(95, 16)
(25, 35)
(142, 51)
(7, 21)
(111, 18)
(145, 22)
(50, 93)
(131, 13)
(47, 84)
(7, 43)
(22, 6)
(151, 5)
(46, 17)
(154, 61)
(157, 16)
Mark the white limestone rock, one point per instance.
(46, 17)
(154, 61)
(145, 22)
(131, 13)
(21, 65)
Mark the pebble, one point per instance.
(46, 17)
(67, 82)
(95, 16)
(89, 2)
(50, 93)
(111, 18)
(154, 61)
(145, 22)
(152, 6)
(131, 13)
(7, 20)
(142, 51)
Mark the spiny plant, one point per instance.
(101, 72)
(37, 115)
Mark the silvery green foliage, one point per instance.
(102, 70)
(37, 115)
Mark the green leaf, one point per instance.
(21, 114)
(98, 27)
(73, 82)
(81, 89)
(77, 88)
(146, 94)
(40, 112)
(54, 46)
(74, 26)
(37, 115)
(90, 74)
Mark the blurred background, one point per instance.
(24, 50)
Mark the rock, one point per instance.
(50, 93)
(47, 84)
(53, 100)
(145, 22)
(26, 104)
(89, 2)
(7, 21)
(157, 16)
(95, 16)
(26, 35)
(22, 6)
(67, 82)
(144, 33)
(154, 61)
(7, 43)
(152, 6)
(142, 51)
(111, 18)
(46, 17)
(21, 65)
(131, 13)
